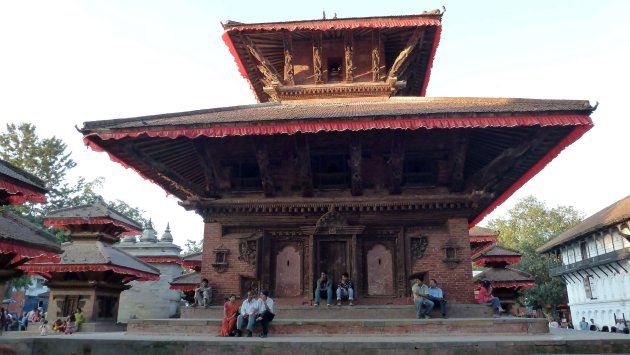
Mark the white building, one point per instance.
(595, 258)
(152, 299)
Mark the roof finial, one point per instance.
(335, 16)
(324, 15)
(167, 237)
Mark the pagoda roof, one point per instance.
(95, 256)
(92, 214)
(477, 231)
(192, 261)
(18, 186)
(506, 277)
(269, 37)
(26, 240)
(186, 282)
(616, 213)
(496, 254)
(495, 123)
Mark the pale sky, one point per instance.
(66, 62)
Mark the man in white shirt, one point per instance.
(249, 311)
(267, 313)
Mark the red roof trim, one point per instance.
(62, 223)
(338, 24)
(483, 260)
(191, 264)
(21, 194)
(23, 252)
(241, 68)
(161, 259)
(508, 284)
(50, 268)
(436, 42)
(183, 287)
(568, 140)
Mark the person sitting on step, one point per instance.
(420, 293)
(485, 297)
(203, 294)
(267, 313)
(324, 284)
(345, 290)
(250, 310)
(437, 296)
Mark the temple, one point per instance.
(20, 240)
(344, 164)
(91, 273)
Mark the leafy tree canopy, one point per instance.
(193, 246)
(527, 226)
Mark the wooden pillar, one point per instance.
(354, 261)
(376, 55)
(348, 45)
(318, 76)
(310, 269)
(288, 59)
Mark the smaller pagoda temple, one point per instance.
(481, 239)
(21, 241)
(162, 254)
(506, 281)
(92, 273)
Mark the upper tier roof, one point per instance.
(92, 214)
(17, 186)
(22, 234)
(607, 217)
(271, 55)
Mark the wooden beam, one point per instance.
(356, 176)
(304, 165)
(205, 160)
(348, 45)
(488, 176)
(396, 159)
(288, 58)
(164, 172)
(402, 61)
(264, 167)
(317, 58)
(270, 75)
(458, 160)
(212, 167)
(376, 55)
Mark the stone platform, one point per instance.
(559, 341)
(283, 326)
(346, 312)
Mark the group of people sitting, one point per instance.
(619, 327)
(324, 287)
(68, 326)
(252, 311)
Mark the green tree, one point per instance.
(193, 246)
(527, 226)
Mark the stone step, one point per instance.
(283, 326)
(456, 310)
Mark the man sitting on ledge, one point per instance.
(203, 294)
(420, 293)
(437, 296)
(344, 290)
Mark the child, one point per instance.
(44, 328)
(71, 324)
(59, 326)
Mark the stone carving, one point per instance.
(418, 247)
(248, 250)
(331, 219)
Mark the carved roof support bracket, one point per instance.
(458, 160)
(270, 77)
(318, 76)
(376, 55)
(264, 166)
(348, 45)
(210, 183)
(303, 160)
(395, 162)
(355, 167)
(288, 58)
(403, 60)
(214, 169)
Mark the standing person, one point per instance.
(583, 324)
(345, 290)
(324, 284)
(203, 294)
(249, 310)
(420, 293)
(230, 312)
(267, 314)
(71, 325)
(24, 321)
(79, 317)
(485, 297)
(437, 296)
(44, 329)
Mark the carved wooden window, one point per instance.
(450, 253)
(330, 170)
(220, 263)
(583, 251)
(70, 305)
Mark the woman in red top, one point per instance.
(230, 312)
(485, 297)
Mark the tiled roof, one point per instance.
(192, 257)
(16, 173)
(613, 214)
(92, 211)
(503, 274)
(17, 230)
(482, 232)
(325, 110)
(193, 278)
(496, 250)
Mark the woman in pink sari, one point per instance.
(485, 297)
(230, 312)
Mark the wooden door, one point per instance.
(332, 257)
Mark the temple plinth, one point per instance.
(344, 165)
(20, 240)
(91, 273)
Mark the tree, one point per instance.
(193, 246)
(527, 226)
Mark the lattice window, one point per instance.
(589, 287)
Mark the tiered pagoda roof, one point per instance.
(17, 186)
(93, 229)
(186, 282)
(497, 259)
(481, 239)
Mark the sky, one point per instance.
(63, 63)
